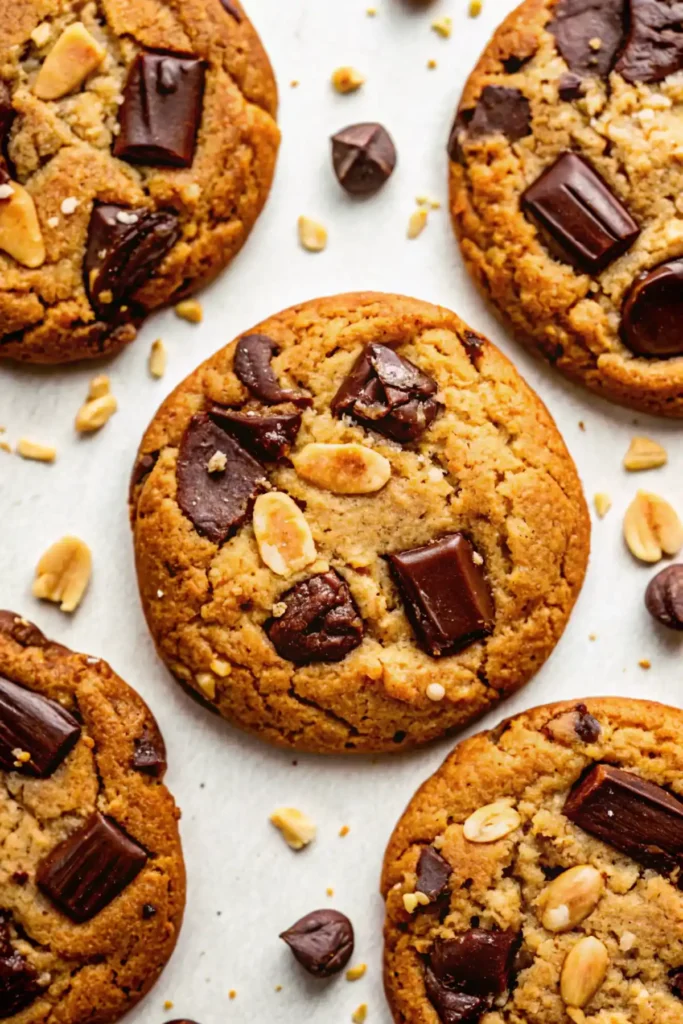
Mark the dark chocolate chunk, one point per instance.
(580, 219)
(632, 815)
(501, 111)
(664, 597)
(473, 345)
(267, 437)
(651, 318)
(216, 502)
(459, 135)
(477, 962)
(161, 110)
(232, 8)
(253, 355)
(570, 87)
(124, 249)
(144, 464)
(7, 115)
(22, 632)
(322, 942)
(363, 157)
(18, 980)
(654, 45)
(453, 1007)
(514, 63)
(587, 727)
(85, 872)
(321, 622)
(576, 23)
(149, 755)
(433, 873)
(148, 911)
(445, 593)
(388, 394)
(677, 982)
(20, 877)
(35, 725)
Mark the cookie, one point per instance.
(137, 148)
(92, 881)
(535, 878)
(566, 179)
(356, 527)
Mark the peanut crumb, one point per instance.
(645, 663)
(593, 637)
(89, 742)
(312, 235)
(344, 831)
(431, 64)
(443, 27)
(6, 191)
(371, 12)
(190, 310)
(63, 573)
(232, 994)
(603, 504)
(417, 223)
(359, 1014)
(217, 462)
(158, 359)
(297, 829)
(99, 386)
(347, 80)
(70, 205)
(168, 1005)
(436, 692)
(356, 973)
(476, 8)
(35, 451)
(413, 900)
(294, 84)
(595, 44)
(207, 684)
(41, 34)
(53, 222)
(329, 892)
(279, 609)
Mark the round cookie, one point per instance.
(92, 881)
(356, 527)
(137, 148)
(535, 878)
(566, 179)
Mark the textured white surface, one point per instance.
(245, 885)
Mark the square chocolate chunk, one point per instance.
(33, 725)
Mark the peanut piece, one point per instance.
(35, 451)
(652, 528)
(490, 823)
(95, 413)
(417, 222)
(63, 573)
(313, 236)
(356, 973)
(342, 468)
(99, 386)
(296, 827)
(360, 1014)
(282, 533)
(347, 80)
(570, 898)
(443, 27)
(20, 234)
(190, 310)
(644, 453)
(584, 971)
(158, 358)
(73, 57)
(413, 900)
(603, 504)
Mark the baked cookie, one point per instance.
(137, 148)
(566, 173)
(535, 878)
(356, 527)
(92, 882)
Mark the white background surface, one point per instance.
(245, 885)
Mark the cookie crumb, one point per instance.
(168, 1005)
(232, 994)
(603, 504)
(443, 27)
(312, 235)
(645, 663)
(294, 84)
(217, 462)
(593, 636)
(431, 64)
(347, 80)
(297, 829)
(190, 310)
(70, 205)
(356, 973)
(158, 358)
(359, 1015)
(417, 222)
(344, 831)
(436, 692)
(35, 451)
(278, 988)
(582, 426)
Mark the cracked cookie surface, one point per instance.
(92, 881)
(148, 166)
(383, 427)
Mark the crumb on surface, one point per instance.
(356, 973)
(344, 831)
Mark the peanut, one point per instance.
(284, 538)
(584, 971)
(652, 528)
(490, 823)
(570, 898)
(343, 468)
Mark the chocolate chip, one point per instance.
(85, 872)
(122, 253)
(446, 595)
(513, 64)
(586, 727)
(580, 219)
(501, 111)
(473, 345)
(477, 962)
(321, 622)
(216, 502)
(677, 982)
(453, 1007)
(651, 318)
(253, 355)
(458, 136)
(578, 22)
(20, 877)
(144, 464)
(570, 87)
(388, 394)
(632, 815)
(18, 980)
(231, 8)
(433, 873)
(266, 437)
(150, 753)
(35, 725)
(664, 597)
(148, 911)
(322, 942)
(22, 632)
(654, 45)
(7, 115)
(161, 110)
(363, 157)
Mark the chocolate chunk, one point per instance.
(85, 872)
(18, 980)
(35, 725)
(7, 115)
(22, 632)
(514, 63)
(473, 345)
(253, 354)
(580, 219)
(632, 815)
(433, 873)
(587, 727)
(322, 942)
(148, 911)
(476, 962)
(459, 135)
(388, 394)
(144, 464)
(161, 110)
(578, 22)
(20, 877)
(266, 437)
(651, 318)
(446, 595)
(124, 249)
(501, 111)
(664, 597)
(363, 157)
(677, 982)
(231, 8)
(150, 753)
(321, 622)
(570, 87)
(654, 45)
(453, 1007)
(216, 502)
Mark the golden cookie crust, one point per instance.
(499, 883)
(492, 464)
(63, 149)
(97, 970)
(630, 134)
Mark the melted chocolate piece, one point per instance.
(664, 597)
(632, 815)
(322, 942)
(577, 22)
(123, 253)
(477, 962)
(161, 110)
(453, 1007)
(433, 873)
(586, 727)
(501, 111)
(253, 354)
(22, 632)
(266, 437)
(18, 980)
(7, 115)
(231, 8)
(651, 317)
(150, 754)
(37, 726)
(570, 87)
(580, 219)
(363, 157)
(321, 622)
(677, 982)
(654, 45)
(84, 873)
(388, 394)
(445, 593)
(458, 136)
(473, 345)
(216, 502)
(144, 464)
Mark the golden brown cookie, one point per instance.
(356, 527)
(92, 881)
(566, 178)
(535, 878)
(137, 148)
